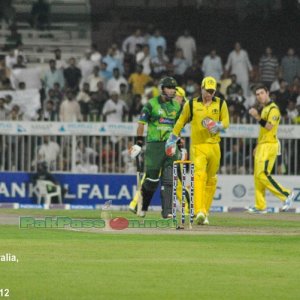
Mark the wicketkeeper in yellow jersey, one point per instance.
(208, 115)
(265, 153)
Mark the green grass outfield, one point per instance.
(237, 257)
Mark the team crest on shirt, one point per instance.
(215, 111)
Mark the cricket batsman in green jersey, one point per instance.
(160, 114)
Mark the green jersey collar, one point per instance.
(160, 101)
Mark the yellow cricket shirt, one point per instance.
(217, 110)
(271, 114)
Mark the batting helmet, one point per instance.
(168, 82)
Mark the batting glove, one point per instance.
(170, 146)
(136, 149)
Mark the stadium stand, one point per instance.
(75, 25)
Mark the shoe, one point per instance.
(200, 218)
(169, 216)
(142, 214)
(254, 210)
(288, 202)
(206, 222)
(132, 208)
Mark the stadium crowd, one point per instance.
(114, 86)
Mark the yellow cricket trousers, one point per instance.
(265, 157)
(206, 158)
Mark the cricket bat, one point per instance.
(139, 185)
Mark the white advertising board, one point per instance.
(237, 191)
(127, 129)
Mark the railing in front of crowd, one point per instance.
(103, 147)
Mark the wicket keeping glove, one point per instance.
(211, 125)
(218, 126)
(170, 146)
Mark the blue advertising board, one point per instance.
(82, 189)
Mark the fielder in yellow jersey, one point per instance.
(208, 115)
(265, 153)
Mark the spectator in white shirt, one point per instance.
(82, 150)
(291, 110)
(238, 63)
(129, 44)
(60, 63)
(84, 98)
(10, 59)
(143, 58)
(114, 109)
(212, 65)
(188, 45)
(70, 109)
(95, 54)
(19, 51)
(115, 81)
(94, 79)
(86, 167)
(86, 65)
(85, 159)
(49, 152)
